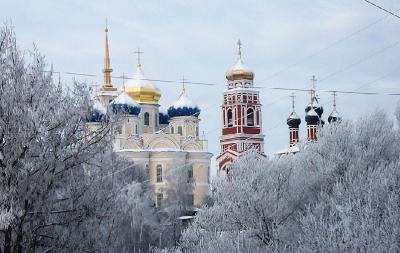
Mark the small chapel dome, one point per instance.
(334, 116)
(141, 89)
(316, 106)
(293, 121)
(125, 104)
(312, 117)
(183, 107)
(97, 112)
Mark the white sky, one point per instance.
(197, 39)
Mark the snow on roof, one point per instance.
(188, 217)
(163, 110)
(293, 149)
(139, 80)
(161, 150)
(293, 115)
(184, 101)
(239, 66)
(312, 112)
(124, 99)
(99, 107)
(334, 114)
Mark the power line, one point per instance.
(331, 45)
(383, 9)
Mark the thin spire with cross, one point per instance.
(293, 96)
(334, 100)
(239, 43)
(138, 52)
(312, 91)
(183, 85)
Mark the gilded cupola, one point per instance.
(141, 89)
(239, 71)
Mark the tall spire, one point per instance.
(239, 43)
(106, 68)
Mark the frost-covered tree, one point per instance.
(178, 202)
(62, 189)
(339, 194)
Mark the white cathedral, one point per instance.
(158, 141)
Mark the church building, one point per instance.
(158, 141)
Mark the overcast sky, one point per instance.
(347, 44)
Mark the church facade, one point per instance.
(159, 141)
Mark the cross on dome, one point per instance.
(183, 86)
(239, 43)
(293, 96)
(138, 52)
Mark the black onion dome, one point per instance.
(183, 107)
(315, 105)
(163, 118)
(312, 117)
(334, 117)
(125, 104)
(97, 112)
(293, 121)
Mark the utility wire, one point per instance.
(383, 9)
(331, 45)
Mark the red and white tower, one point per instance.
(241, 116)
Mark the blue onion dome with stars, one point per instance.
(97, 112)
(124, 104)
(183, 107)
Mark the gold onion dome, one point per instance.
(239, 71)
(141, 89)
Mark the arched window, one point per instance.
(136, 129)
(172, 130)
(250, 117)
(180, 130)
(159, 173)
(146, 119)
(197, 131)
(230, 118)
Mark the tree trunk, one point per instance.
(7, 240)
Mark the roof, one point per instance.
(124, 99)
(184, 101)
(293, 149)
(139, 80)
(99, 107)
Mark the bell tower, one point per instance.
(241, 116)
